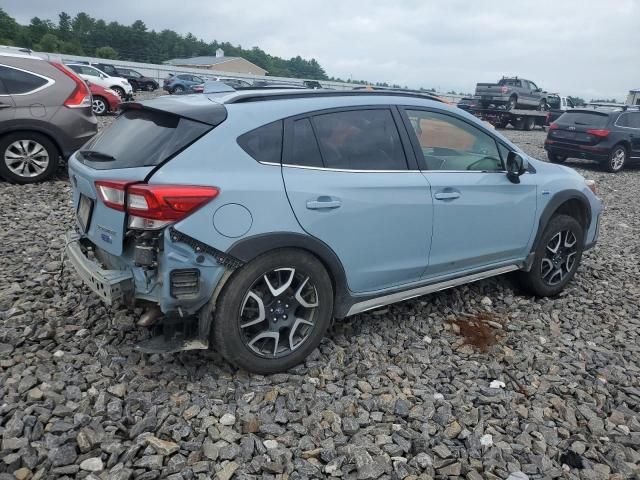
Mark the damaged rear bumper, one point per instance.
(111, 286)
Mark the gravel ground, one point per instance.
(474, 382)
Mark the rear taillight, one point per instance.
(553, 126)
(598, 132)
(154, 206)
(112, 193)
(504, 89)
(80, 96)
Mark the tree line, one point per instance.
(85, 35)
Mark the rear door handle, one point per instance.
(323, 202)
(447, 195)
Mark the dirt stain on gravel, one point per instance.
(478, 332)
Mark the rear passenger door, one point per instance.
(7, 107)
(633, 122)
(351, 185)
(480, 218)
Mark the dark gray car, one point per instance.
(45, 114)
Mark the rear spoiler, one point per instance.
(195, 107)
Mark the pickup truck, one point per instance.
(512, 93)
(557, 106)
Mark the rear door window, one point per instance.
(140, 138)
(360, 140)
(591, 119)
(19, 82)
(264, 144)
(304, 146)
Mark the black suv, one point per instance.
(606, 135)
(135, 78)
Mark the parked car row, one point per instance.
(188, 83)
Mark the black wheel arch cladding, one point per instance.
(249, 248)
(565, 202)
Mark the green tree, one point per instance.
(64, 26)
(106, 52)
(48, 43)
(136, 42)
(8, 28)
(39, 28)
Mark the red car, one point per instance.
(104, 100)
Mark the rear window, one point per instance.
(141, 138)
(509, 82)
(592, 119)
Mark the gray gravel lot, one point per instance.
(404, 392)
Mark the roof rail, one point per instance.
(263, 95)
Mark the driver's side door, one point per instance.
(480, 218)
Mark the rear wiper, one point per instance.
(97, 156)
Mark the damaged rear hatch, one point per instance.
(144, 137)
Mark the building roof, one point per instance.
(208, 60)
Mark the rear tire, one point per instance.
(529, 123)
(617, 159)
(552, 271)
(555, 158)
(178, 90)
(265, 304)
(134, 85)
(27, 157)
(512, 103)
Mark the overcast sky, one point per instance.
(586, 48)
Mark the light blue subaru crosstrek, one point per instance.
(248, 220)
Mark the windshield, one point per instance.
(141, 138)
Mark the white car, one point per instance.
(118, 84)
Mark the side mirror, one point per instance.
(516, 166)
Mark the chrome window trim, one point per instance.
(305, 167)
(50, 81)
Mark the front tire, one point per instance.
(555, 158)
(273, 312)
(556, 257)
(27, 157)
(617, 159)
(99, 106)
(119, 91)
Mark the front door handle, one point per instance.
(323, 202)
(447, 195)
(4, 105)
